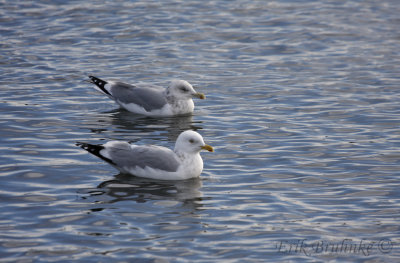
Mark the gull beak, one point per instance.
(199, 95)
(208, 148)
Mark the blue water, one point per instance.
(303, 109)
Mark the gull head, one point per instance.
(182, 89)
(191, 142)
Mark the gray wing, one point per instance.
(150, 98)
(142, 156)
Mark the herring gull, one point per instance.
(150, 100)
(155, 162)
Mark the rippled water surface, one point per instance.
(303, 109)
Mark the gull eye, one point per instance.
(183, 89)
(191, 141)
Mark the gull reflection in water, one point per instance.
(127, 187)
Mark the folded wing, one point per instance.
(149, 97)
(128, 157)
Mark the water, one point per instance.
(302, 108)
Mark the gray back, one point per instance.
(150, 98)
(142, 156)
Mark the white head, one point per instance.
(191, 142)
(181, 89)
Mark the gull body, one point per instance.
(150, 100)
(155, 162)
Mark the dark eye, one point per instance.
(183, 89)
(191, 141)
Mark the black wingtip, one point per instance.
(95, 150)
(99, 83)
(84, 145)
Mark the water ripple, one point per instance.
(302, 109)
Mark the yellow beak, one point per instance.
(208, 148)
(199, 95)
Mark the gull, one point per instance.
(155, 162)
(150, 100)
